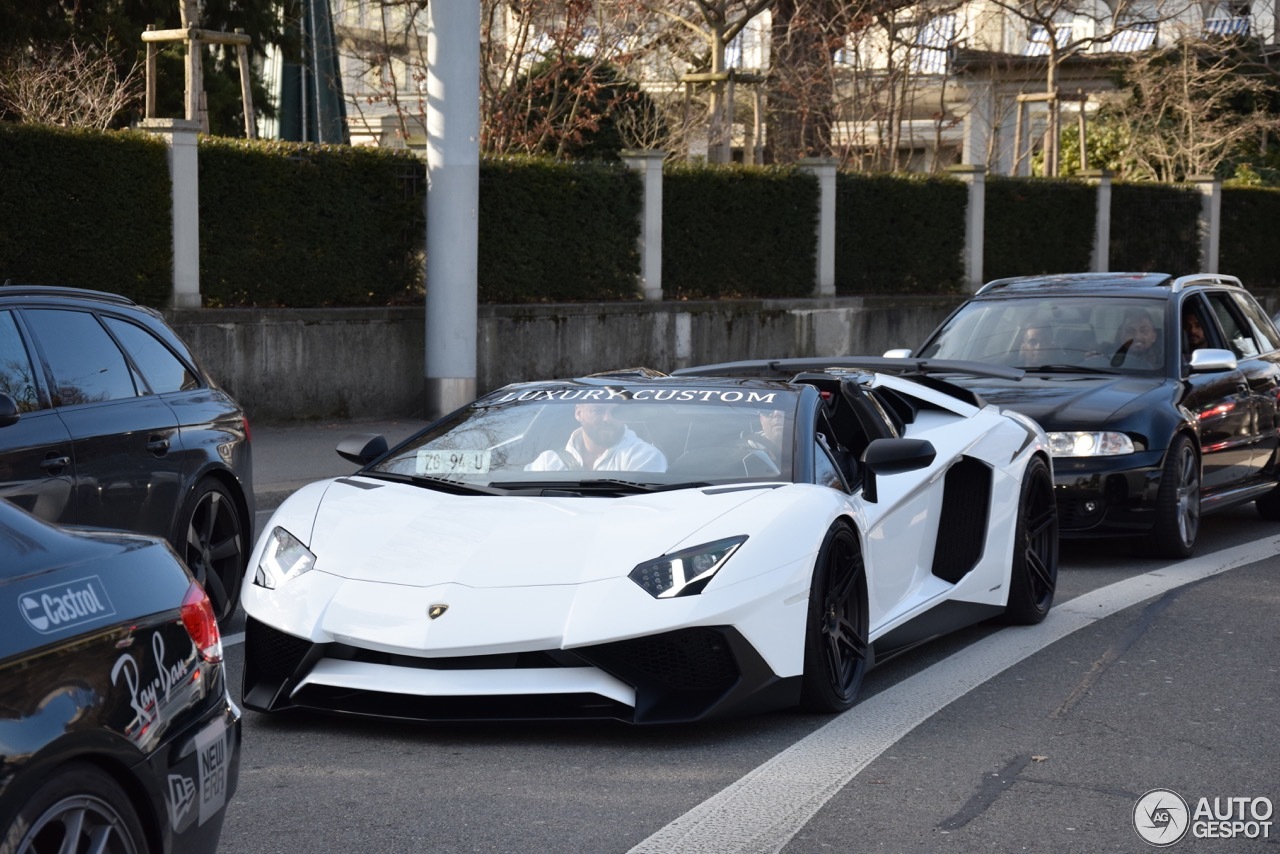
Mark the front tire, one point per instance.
(1177, 503)
(80, 809)
(213, 545)
(836, 652)
(1033, 577)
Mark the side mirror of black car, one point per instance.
(893, 456)
(8, 410)
(362, 448)
(1207, 360)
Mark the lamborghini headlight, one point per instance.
(1086, 444)
(283, 558)
(685, 572)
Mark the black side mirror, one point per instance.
(362, 448)
(893, 456)
(8, 410)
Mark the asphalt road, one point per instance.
(1146, 676)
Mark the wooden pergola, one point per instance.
(194, 36)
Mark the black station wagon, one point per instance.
(1159, 394)
(107, 421)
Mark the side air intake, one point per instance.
(966, 504)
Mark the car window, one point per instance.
(86, 364)
(1239, 338)
(825, 470)
(1260, 326)
(162, 370)
(17, 379)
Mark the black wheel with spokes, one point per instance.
(81, 809)
(1033, 578)
(835, 644)
(213, 545)
(1177, 502)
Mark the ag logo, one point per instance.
(1161, 817)
(437, 610)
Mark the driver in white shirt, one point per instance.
(602, 442)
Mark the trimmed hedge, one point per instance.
(558, 232)
(303, 225)
(1155, 228)
(899, 234)
(742, 231)
(1249, 218)
(86, 209)
(1038, 225)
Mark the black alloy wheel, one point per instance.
(1033, 577)
(1177, 502)
(213, 545)
(80, 810)
(835, 645)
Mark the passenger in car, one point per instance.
(1033, 346)
(1193, 335)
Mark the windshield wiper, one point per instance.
(611, 486)
(1069, 369)
(456, 487)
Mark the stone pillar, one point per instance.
(184, 177)
(824, 169)
(974, 222)
(649, 164)
(1101, 258)
(979, 123)
(1210, 220)
(453, 203)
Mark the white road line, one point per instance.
(762, 811)
(232, 640)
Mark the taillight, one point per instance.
(247, 436)
(197, 616)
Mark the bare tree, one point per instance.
(713, 25)
(1054, 23)
(69, 85)
(554, 72)
(1192, 106)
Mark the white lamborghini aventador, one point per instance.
(653, 548)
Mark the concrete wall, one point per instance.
(304, 364)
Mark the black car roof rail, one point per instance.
(8, 289)
(1119, 278)
(1206, 279)
(882, 364)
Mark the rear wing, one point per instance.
(930, 373)
(786, 368)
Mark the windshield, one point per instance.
(1045, 334)
(626, 438)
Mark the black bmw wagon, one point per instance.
(1159, 394)
(107, 420)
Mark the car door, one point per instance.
(1263, 375)
(121, 434)
(36, 463)
(902, 524)
(1221, 404)
(1255, 383)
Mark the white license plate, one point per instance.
(453, 462)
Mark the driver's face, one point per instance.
(600, 423)
(1141, 331)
